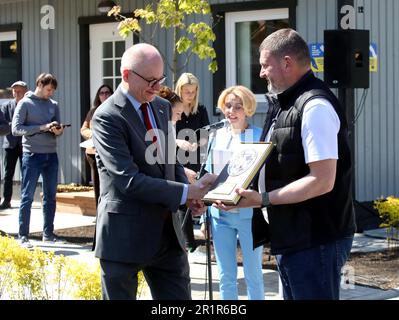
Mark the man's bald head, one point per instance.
(138, 56)
(141, 65)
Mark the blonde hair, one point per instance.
(188, 78)
(247, 97)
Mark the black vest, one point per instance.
(319, 220)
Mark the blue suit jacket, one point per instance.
(134, 194)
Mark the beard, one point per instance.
(273, 88)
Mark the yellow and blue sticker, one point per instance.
(317, 57)
(373, 58)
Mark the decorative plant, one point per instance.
(73, 187)
(39, 275)
(388, 210)
(194, 38)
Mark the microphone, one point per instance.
(217, 125)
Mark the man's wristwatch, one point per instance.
(265, 200)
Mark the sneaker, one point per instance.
(198, 255)
(53, 238)
(24, 242)
(5, 205)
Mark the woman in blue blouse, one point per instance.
(237, 104)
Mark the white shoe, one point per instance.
(198, 256)
(24, 243)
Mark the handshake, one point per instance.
(197, 191)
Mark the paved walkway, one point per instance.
(362, 243)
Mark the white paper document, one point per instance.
(87, 144)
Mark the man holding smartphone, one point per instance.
(37, 119)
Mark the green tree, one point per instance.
(194, 38)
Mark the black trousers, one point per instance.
(10, 161)
(94, 175)
(167, 273)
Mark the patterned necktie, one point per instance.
(147, 122)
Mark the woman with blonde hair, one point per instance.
(237, 103)
(194, 117)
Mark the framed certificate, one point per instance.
(239, 172)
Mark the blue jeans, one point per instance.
(315, 273)
(34, 165)
(224, 232)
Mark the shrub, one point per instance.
(39, 275)
(388, 210)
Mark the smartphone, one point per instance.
(62, 125)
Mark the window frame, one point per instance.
(219, 14)
(17, 28)
(231, 55)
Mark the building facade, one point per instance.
(82, 48)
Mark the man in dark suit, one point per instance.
(137, 227)
(12, 145)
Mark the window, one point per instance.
(105, 56)
(111, 61)
(245, 31)
(8, 63)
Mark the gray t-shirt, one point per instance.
(30, 113)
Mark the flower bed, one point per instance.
(73, 187)
(39, 275)
(75, 198)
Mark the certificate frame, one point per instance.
(239, 172)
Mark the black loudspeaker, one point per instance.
(347, 58)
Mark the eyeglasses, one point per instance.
(234, 107)
(103, 93)
(151, 83)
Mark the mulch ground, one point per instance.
(373, 269)
(376, 269)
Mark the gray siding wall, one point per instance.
(56, 51)
(377, 136)
(377, 130)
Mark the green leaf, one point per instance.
(213, 66)
(183, 44)
(194, 38)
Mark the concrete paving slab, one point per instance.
(364, 243)
(9, 219)
(382, 233)
(200, 282)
